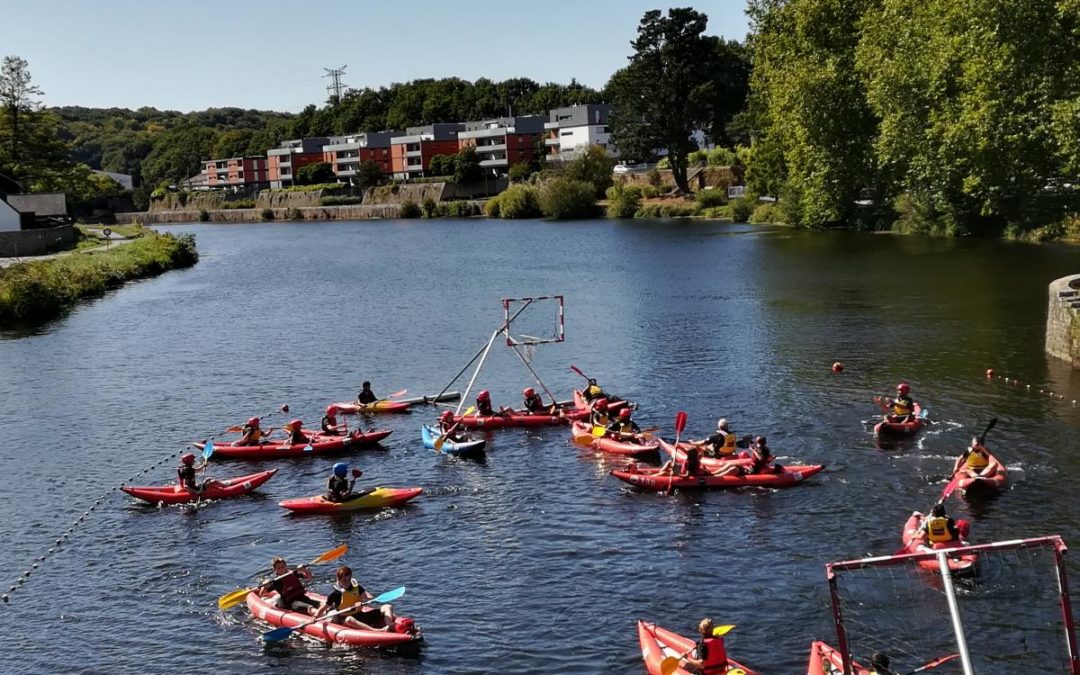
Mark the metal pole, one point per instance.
(535, 376)
(1066, 607)
(472, 380)
(954, 611)
(477, 355)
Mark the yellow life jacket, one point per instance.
(349, 596)
(938, 528)
(600, 420)
(593, 391)
(900, 408)
(977, 461)
(728, 448)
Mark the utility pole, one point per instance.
(334, 89)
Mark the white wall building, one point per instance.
(570, 130)
(9, 218)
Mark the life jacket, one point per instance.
(252, 435)
(728, 448)
(186, 475)
(336, 487)
(938, 529)
(329, 425)
(901, 406)
(599, 419)
(716, 660)
(977, 460)
(484, 408)
(592, 391)
(534, 403)
(624, 427)
(349, 596)
(291, 588)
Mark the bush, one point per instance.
(310, 188)
(442, 165)
(592, 166)
(650, 191)
(182, 198)
(410, 209)
(520, 201)
(457, 209)
(716, 212)
(428, 208)
(339, 200)
(563, 198)
(623, 200)
(722, 157)
(266, 214)
(492, 208)
(204, 215)
(293, 213)
(764, 213)
(315, 173)
(654, 177)
(667, 211)
(520, 172)
(710, 197)
(159, 193)
(742, 208)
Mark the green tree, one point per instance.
(17, 103)
(664, 95)
(442, 165)
(563, 197)
(315, 173)
(178, 154)
(467, 166)
(592, 166)
(368, 174)
(231, 143)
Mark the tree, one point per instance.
(231, 143)
(368, 174)
(315, 173)
(663, 96)
(467, 166)
(16, 101)
(592, 166)
(442, 165)
(178, 154)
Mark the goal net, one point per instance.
(1011, 612)
(533, 321)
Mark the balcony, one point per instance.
(482, 149)
(493, 163)
(551, 141)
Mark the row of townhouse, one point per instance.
(500, 142)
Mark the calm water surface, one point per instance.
(537, 561)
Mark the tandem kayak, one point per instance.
(913, 543)
(266, 610)
(461, 448)
(658, 644)
(517, 419)
(380, 498)
(174, 494)
(320, 445)
(824, 660)
(581, 404)
(710, 463)
(638, 446)
(912, 426)
(991, 479)
(650, 479)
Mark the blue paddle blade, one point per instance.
(309, 447)
(208, 450)
(277, 635)
(924, 413)
(390, 595)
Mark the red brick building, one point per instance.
(236, 172)
(411, 153)
(284, 161)
(345, 153)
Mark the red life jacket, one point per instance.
(291, 588)
(716, 662)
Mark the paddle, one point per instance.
(600, 431)
(958, 476)
(234, 598)
(441, 440)
(279, 634)
(670, 664)
(397, 393)
(680, 424)
(578, 371)
(933, 664)
(207, 451)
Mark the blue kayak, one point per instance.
(470, 448)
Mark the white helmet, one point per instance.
(722, 425)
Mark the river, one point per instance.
(536, 561)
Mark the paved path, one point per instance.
(114, 240)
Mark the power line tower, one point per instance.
(336, 86)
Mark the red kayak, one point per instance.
(913, 543)
(379, 498)
(915, 422)
(265, 609)
(824, 660)
(514, 418)
(650, 479)
(710, 463)
(320, 445)
(991, 479)
(638, 445)
(581, 404)
(658, 644)
(174, 494)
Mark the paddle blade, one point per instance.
(208, 450)
(278, 634)
(584, 440)
(935, 663)
(669, 665)
(233, 599)
(234, 429)
(440, 441)
(332, 554)
(599, 431)
(390, 595)
(950, 488)
(578, 371)
(721, 631)
(680, 421)
(398, 393)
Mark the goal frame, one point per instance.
(508, 319)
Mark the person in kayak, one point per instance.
(938, 528)
(592, 391)
(690, 466)
(533, 403)
(329, 422)
(974, 461)
(339, 488)
(251, 434)
(722, 444)
(483, 405)
(294, 433)
(366, 396)
(879, 664)
(762, 461)
(623, 428)
(709, 655)
(186, 474)
(348, 594)
(901, 408)
(289, 585)
(448, 428)
(599, 414)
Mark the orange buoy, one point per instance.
(837, 367)
(989, 373)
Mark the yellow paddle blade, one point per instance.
(721, 631)
(332, 554)
(599, 431)
(669, 665)
(234, 598)
(439, 442)
(583, 440)
(468, 411)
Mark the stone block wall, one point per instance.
(40, 241)
(1063, 319)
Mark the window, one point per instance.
(605, 129)
(566, 133)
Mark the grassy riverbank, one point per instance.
(39, 290)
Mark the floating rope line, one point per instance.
(25, 576)
(1040, 389)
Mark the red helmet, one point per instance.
(294, 425)
(331, 410)
(600, 404)
(447, 416)
(624, 414)
(483, 396)
(963, 527)
(903, 389)
(253, 422)
(529, 391)
(187, 458)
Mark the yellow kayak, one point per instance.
(377, 499)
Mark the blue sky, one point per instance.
(271, 54)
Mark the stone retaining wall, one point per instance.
(1062, 320)
(20, 243)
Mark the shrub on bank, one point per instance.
(204, 215)
(623, 200)
(563, 198)
(410, 209)
(39, 290)
(293, 213)
(710, 197)
(742, 208)
(764, 213)
(491, 208)
(457, 209)
(667, 211)
(716, 212)
(519, 201)
(428, 207)
(266, 214)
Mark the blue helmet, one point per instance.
(340, 469)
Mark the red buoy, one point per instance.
(989, 373)
(837, 367)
